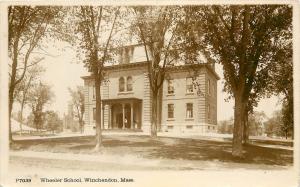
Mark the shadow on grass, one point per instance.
(164, 148)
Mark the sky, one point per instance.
(63, 70)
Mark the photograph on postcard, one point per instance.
(124, 88)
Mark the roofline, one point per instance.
(144, 63)
(206, 65)
(121, 66)
(126, 46)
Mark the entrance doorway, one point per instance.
(119, 120)
(124, 114)
(127, 121)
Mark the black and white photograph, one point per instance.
(149, 93)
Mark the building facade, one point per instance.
(187, 101)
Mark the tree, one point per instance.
(28, 27)
(276, 126)
(245, 40)
(256, 123)
(156, 28)
(287, 126)
(78, 105)
(24, 88)
(95, 27)
(225, 126)
(53, 122)
(272, 125)
(39, 97)
(281, 83)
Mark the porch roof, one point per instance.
(121, 100)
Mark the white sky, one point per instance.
(63, 70)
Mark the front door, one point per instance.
(119, 120)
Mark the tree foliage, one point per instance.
(77, 102)
(225, 126)
(245, 39)
(53, 121)
(95, 28)
(28, 28)
(256, 123)
(281, 83)
(276, 127)
(157, 29)
(40, 96)
(25, 87)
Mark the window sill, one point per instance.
(171, 119)
(125, 93)
(189, 119)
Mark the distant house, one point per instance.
(16, 127)
(188, 100)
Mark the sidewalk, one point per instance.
(213, 136)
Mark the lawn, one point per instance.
(165, 148)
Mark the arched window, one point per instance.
(121, 84)
(129, 83)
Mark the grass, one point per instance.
(165, 148)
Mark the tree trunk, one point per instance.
(154, 116)
(98, 115)
(12, 83)
(10, 107)
(81, 125)
(239, 111)
(246, 129)
(21, 116)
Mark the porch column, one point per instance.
(131, 116)
(123, 112)
(109, 125)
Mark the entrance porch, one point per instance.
(125, 113)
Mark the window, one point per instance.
(129, 83)
(170, 110)
(208, 87)
(170, 86)
(189, 110)
(208, 111)
(121, 84)
(189, 85)
(94, 113)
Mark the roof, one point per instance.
(120, 66)
(144, 63)
(195, 66)
(120, 100)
